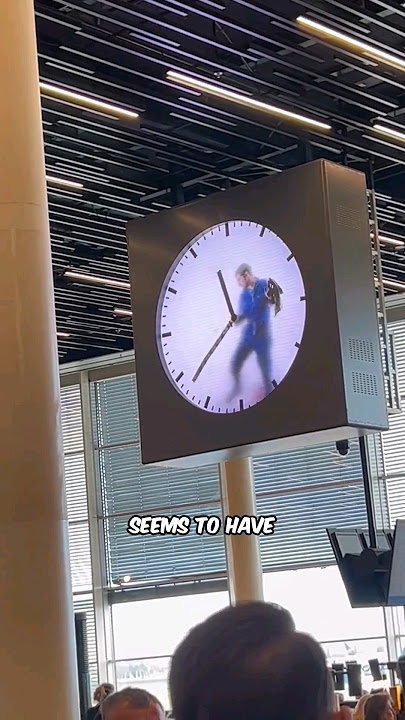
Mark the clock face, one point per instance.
(231, 317)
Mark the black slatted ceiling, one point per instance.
(192, 145)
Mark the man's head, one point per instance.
(103, 691)
(244, 276)
(248, 661)
(132, 704)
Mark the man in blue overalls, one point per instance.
(254, 309)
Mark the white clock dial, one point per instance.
(231, 317)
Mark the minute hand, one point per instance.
(212, 350)
(227, 298)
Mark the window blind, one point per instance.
(394, 439)
(78, 521)
(307, 489)
(128, 488)
(75, 479)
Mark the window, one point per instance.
(308, 489)
(147, 632)
(78, 522)
(393, 440)
(128, 488)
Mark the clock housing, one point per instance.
(334, 387)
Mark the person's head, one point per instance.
(248, 661)
(102, 692)
(132, 704)
(244, 276)
(359, 709)
(379, 707)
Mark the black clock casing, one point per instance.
(335, 388)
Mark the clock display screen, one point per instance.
(231, 317)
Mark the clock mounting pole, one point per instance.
(244, 568)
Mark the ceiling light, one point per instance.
(363, 47)
(243, 99)
(107, 282)
(87, 102)
(123, 311)
(64, 183)
(62, 335)
(390, 132)
(394, 285)
(390, 241)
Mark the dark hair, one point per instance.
(376, 706)
(244, 269)
(136, 698)
(248, 661)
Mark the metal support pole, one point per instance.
(101, 607)
(245, 577)
(368, 491)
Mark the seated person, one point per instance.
(100, 694)
(132, 704)
(379, 707)
(359, 709)
(249, 663)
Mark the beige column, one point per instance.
(242, 551)
(37, 656)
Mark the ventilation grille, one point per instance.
(364, 384)
(361, 350)
(348, 217)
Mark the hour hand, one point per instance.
(226, 295)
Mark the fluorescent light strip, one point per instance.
(389, 132)
(394, 285)
(123, 311)
(106, 282)
(243, 99)
(390, 241)
(87, 102)
(64, 183)
(62, 335)
(369, 50)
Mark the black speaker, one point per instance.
(82, 656)
(354, 677)
(375, 669)
(338, 674)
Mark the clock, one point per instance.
(255, 320)
(231, 316)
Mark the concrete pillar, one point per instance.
(242, 551)
(38, 675)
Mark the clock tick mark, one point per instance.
(226, 229)
(240, 404)
(167, 334)
(302, 298)
(179, 376)
(262, 231)
(297, 345)
(172, 290)
(290, 257)
(274, 383)
(193, 252)
(207, 402)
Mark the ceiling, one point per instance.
(186, 145)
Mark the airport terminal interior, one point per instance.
(148, 105)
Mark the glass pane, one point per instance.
(360, 651)
(150, 674)
(149, 628)
(318, 602)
